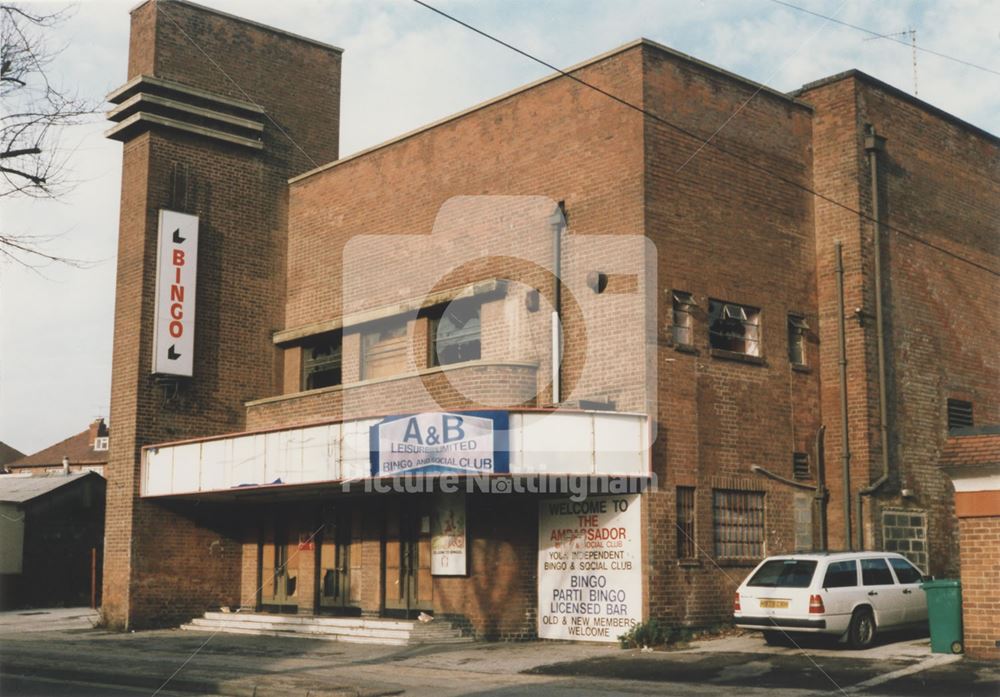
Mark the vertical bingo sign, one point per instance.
(176, 274)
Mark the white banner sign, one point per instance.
(176, 273)
(589, 568)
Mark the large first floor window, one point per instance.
(321, 362)
(455, 333)
(738, 518)
(383, 349)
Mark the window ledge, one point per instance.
(801, 368)
(686, 348)
(691, 563)
(734, 356)
(466, 365)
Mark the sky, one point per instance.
(405, 66)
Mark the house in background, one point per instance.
(8, 454)
(87, 451)
(51, 539)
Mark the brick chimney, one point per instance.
(98, 429)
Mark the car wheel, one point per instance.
(773, 638)
(861, 632)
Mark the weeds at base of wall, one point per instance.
(653, 635)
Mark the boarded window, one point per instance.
(321, 362)
(738, 518)
(383, 350)
(803, 507)
(455, 333)
(959, 414)
(905, 531)
(734, 328)
(682, 330)
(685, 523)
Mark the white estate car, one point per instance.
(852, 593)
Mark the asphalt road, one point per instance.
(76, 660)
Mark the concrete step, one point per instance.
(351, 629)
(295, 635)
(305, 628)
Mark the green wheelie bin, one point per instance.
(944, 614)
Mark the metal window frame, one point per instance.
(460, 337)
(686, 521)
(738, 523)
(748, 315)
(682, 318)
(311, 365)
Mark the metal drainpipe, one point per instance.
(873, 145)
(558, 221)
(819, 488)
(845, 441)
(821, 493)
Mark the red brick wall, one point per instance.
(979, 540)
(725, 231)
(510, 384)
(556, 140)
(163, 564)
(499, 596)
(940, 182)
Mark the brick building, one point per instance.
(87, 451)
(971, 458)
(345, 307)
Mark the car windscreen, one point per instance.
(784, 573)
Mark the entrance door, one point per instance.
(407, 559)
(279, 566)
(339, 591)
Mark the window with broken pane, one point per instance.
(321, 362)
(733, 327)
(455, 333)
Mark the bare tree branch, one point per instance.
(33, 113)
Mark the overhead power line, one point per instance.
(703, 141)
(890, 37)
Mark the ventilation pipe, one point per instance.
(819, 488)
(821, 492)
(65, 464)
(557, 221)
(845, 441)
(873, 145)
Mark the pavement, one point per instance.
(59, 653)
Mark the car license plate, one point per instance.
(774, 603)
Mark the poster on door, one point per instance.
(448, 535)
(589, 568)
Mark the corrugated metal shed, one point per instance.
(17, 489)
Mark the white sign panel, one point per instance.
(440, 442)
(176, 274)
(448, 537)
(589, 568)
